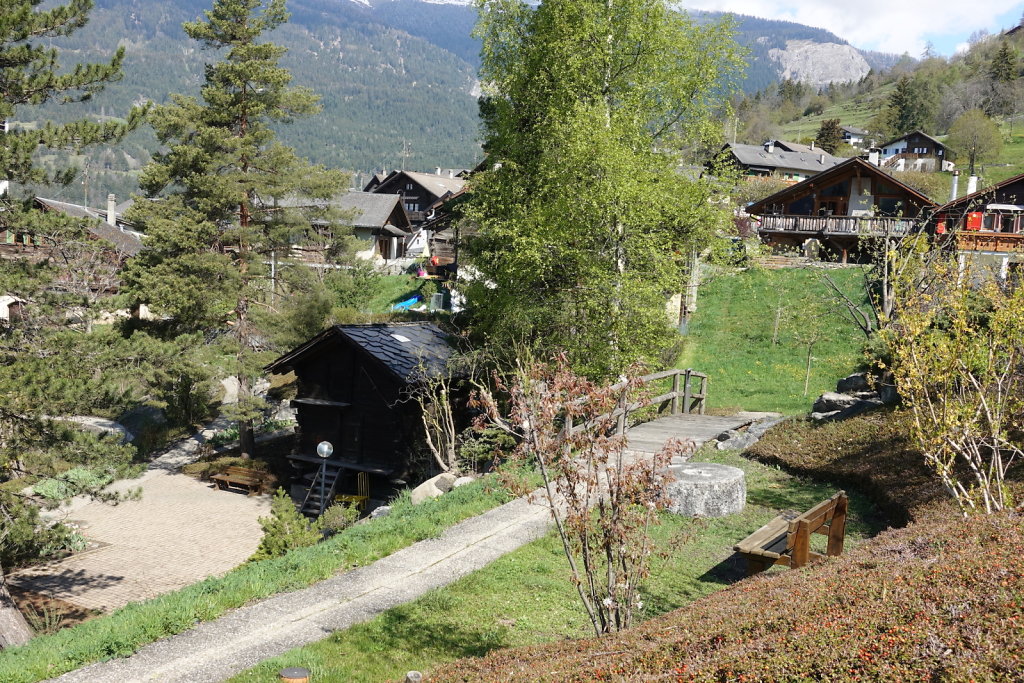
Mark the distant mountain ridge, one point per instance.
(398, 78)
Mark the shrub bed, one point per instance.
(940, 599)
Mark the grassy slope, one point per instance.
(524, 597)
(730, 338)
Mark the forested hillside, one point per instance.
(397, 80)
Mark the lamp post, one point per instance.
(324, 450)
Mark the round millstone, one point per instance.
(704, 489)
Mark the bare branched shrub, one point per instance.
(957, 352)
(603, 499)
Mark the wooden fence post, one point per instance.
(703, 394)
(686, 393)
(675, 393)
(620, 424)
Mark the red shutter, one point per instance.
(974, 220)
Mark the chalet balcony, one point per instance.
(990, 241)
(837, 225)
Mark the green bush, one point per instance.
(285, 529)
(336, 518)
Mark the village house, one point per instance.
(831, 213)
(987, 228)
(377, 220)
(355, 385)
(418, 190)
(780, 159)
(855, 137)
(916, 151)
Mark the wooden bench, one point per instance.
(786, 540)
(242, 477)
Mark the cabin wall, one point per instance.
(377, 427)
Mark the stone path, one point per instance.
(179, 532)
(247, 636)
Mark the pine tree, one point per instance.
(1003, 68)
(830, 135)
(223, 181)
(31, 74)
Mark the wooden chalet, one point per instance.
(835, 210)
(916, 151)
(106, 225)
(354, 391)
(418, 190)
(987, 226)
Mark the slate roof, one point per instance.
(126, 241)
(367, 209)
(404, 349)
(853, 130)
(757, 156)
(437, 185)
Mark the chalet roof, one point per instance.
(809, 160)
(968, 199)
(852, 130)
(370, 209)
(126, 241)
(914, 132)
(406, 350)
(855, 164)
(435, 184)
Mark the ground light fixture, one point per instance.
(324, 449)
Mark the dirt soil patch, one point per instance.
(48, 614)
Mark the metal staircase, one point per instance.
(326, 479)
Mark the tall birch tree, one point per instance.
(584, 219)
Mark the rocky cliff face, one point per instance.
(819, 64)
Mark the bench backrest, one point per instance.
(827, 517)
(244, 472)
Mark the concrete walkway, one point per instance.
(249, 635)
(179, 532)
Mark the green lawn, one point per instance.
(730, 338)
(525, 597)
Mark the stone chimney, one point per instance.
(812, 144)
(770, 146)
(437, 171)
(873, 157)
(972, 184)
(956, 185)
(821, 159)
(451, 173)
(111, 209)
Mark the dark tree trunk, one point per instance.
(14, 630)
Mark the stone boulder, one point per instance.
(432, 488)
(382, 511)
(830, 401)
(858, 381)
(462, 481)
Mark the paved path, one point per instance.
(249, 635)
(179, 532)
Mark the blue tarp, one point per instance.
(407, 304)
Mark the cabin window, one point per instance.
(410, 186)
(989, 222)
(838, 190)
(802, 207)
(890, 206)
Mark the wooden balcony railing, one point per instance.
(989, 241)
(837, 225)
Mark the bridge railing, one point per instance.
(688, 395)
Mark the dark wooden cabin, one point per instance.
(354, 384)
(838, 209)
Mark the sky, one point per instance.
(896, 26)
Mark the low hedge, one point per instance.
(940, 599)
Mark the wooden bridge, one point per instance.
(679, 414)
